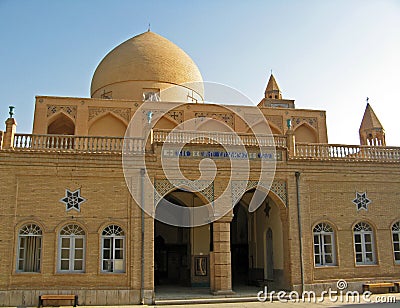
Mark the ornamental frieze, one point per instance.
(53, 109)
(276, 120)
(176, 115)
(297, 121)
(124, 113)
(220, 116)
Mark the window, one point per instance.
(364, 244)
(71, 249)
(29, 248)
(113, 249)
(396, 241)
(324, 245)
(151, 95)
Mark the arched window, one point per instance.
(71, 254)
(364, 244)
(324, 245)
(113, 249)
(396, 241)
(29, 248)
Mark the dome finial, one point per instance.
(148, 29)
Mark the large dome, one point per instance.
(145, 61)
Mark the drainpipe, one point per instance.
(297, 174)
(142, 173)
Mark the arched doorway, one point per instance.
(181, 254)
(257, 243)
(239, 245)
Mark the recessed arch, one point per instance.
(165, 123)
(212, 125)
(181, 253)
(263, 255)
(61, 124)
(260, 126)
(305, 134)
(108, 125)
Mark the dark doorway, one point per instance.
(239, 246)
(270, 255)
(171, 255)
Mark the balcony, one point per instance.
(346, 152)
(73, 144)
(119, 145)
(215, 138)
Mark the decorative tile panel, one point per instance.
(278, 187)
(164, 186)
(297, 121)
(53, 109)
(276, 120)
(124, 113)
(227, 118)
(176, 115)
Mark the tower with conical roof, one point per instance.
(272, 90)
(371, 129)
(273, 96)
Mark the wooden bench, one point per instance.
(58, 297)
(382, 287)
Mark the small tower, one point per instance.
(272, 90)
(371, 129)
(273, 96)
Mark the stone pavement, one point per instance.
(276, 304)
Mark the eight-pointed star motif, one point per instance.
(73, 200)
(361, 201)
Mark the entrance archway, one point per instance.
(257, 243)
(181, 254)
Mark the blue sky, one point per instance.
(327, 55)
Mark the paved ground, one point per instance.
(276, 304)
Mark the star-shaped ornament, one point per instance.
(361, 201)
(73, 200)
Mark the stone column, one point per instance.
(148, 242)
(290, 140)
(8, 139)
(221, 280)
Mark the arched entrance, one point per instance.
(257, 243)
(181, 254)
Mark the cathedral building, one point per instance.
(89, 208)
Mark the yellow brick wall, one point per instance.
(33, 183)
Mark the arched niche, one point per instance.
(260, 128)
(61, 124)
(107, 125)
(165, 123)
(305, 134)
(210, 125)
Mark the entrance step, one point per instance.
(210, 300)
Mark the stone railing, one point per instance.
(72, 143)
(302, 151)
(224, 138)
(346, 152)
